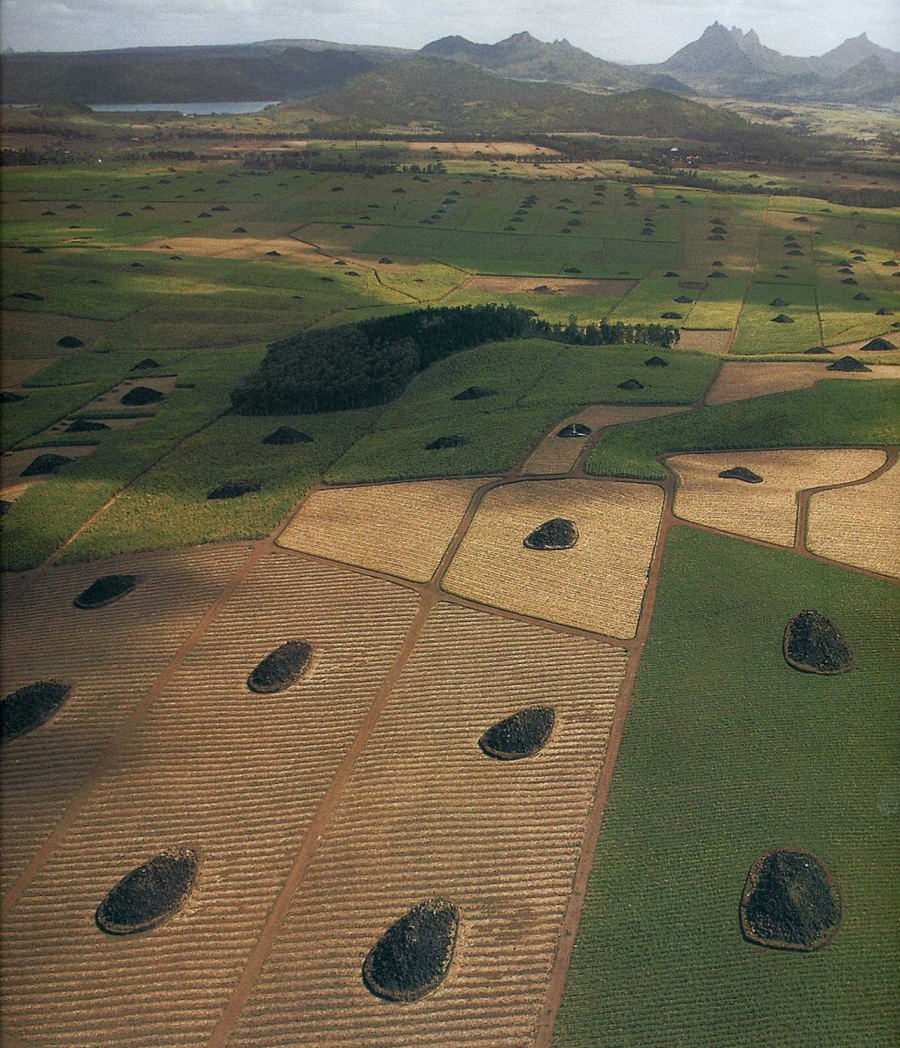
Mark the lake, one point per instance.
(187, 108)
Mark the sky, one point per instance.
(618, 30)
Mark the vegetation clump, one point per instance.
(280, 668)
(287, 435)
(233, 489)
(105, 590)
(555, 534)
(848, 364)
(31, 706)
(519, 736)
(140, 395)
(813, 644)
(413, 956)
(445, 442)
(741, 473)
(475, 393)
(790, 902)
(575, 429)
(44, 464)
(69, 342)
(150, 894)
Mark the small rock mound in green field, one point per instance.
(813, 644)
(44, 464)
(782, 318)
(233, 489)
(150, 894)
(69, 342)
(817, 349)
(29, 707)
(672, 316)
(145, 365)
(880, 343)
(85, 425)
(848, 364)
(860, 297)
(522, 735)
(239, 229)
(105, 590)
(140, 395)
(631, 383)
(475, 393)
(575, 429)
(790, 902)
(717, 275)
(849, 280)
(555, 534)
(683, 300)
(656, 362)
(280, 668)
(741, 473)
(779, 303)
(413, 956)
(883, 312)
(670, 273)
(287, 435)
(445, 442)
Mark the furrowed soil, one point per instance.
(766, 511)
(741, 381)
(598, 585)
(427, 813)
(235, 775)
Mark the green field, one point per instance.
(728, 752)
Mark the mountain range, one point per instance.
(721, 63)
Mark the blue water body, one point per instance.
(187, 108)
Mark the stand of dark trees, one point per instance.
(373, 361)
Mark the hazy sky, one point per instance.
(620, 30)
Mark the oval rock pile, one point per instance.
(150, 894)
(741, 473)
(140, 395)
(44, 464)
(445, 442)
(280, 668)
(413, 956)
(521, 735)
(555, 534)
(29, 707)
(287, 435)
(105, 590)
(475, 393)
(813, 644)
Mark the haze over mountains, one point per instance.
(721, 63)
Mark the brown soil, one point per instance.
(742, 380)
(712, 341)
(13, 463)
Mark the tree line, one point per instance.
(371, 362)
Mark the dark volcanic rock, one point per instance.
(44, 464)
(145, 365)
(521, 735)
(29, 296)
(85, 425)
(70, 342)
(105, 590)
(31, 706)
(817, 349)
(475, 393)
(672, 316)
(782, 318)
(233, 489)
(445, 442)
(287, 435)
(779, 303)
(280, 668)
(656, 362)
(813, 644)
(790, 902)
(683, 299)
(413, 956)
(140, 395)
(879, 343)
(847, 364)
(575, 429)
(555, 534)
(741, 473)
(149, 894)
(631, 383)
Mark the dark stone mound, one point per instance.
(683, 299)
(8, 397)
(445, 442)
(28, 708)
(849, 280)
(802, 218)
(69, 342)
(779, 303)
(274, 254)
(145, 365)
(782, 318)
(413, 956)
(860, 297)
(44, 464)
(204, 214)
(813, 644)
(233, 489)
(47, 214)
(883, 312)
(239, 229)
(28, 296)
(656, 362)
(717, 275)
(575, 429)
(672, 316)
(790, 902)
(555, 534)
(879, 343)
(718, 229)
(149, 894)
(741, 473)
(105, 590)
(847, 364)
(34, 251)
(475, 393)
(817, 349)
(280, 668)
(631, 383)
(287, 435)
(670, 273)
(521, 735)
(124, 214)
(716, 236)
(386, 261)
(141, 395)
(85, 425)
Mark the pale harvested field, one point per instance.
(111, 399)
(13, 462)
(705, 341)
(768, 510)
(741, 381)
(598, 585)
(558, 454)
(427, 813)
(400, 529)
(562, 286)
(224, 244)
(16, 370)
(110, 656)
(210, 765)
(859, 525)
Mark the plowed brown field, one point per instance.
(234, 774)
(598, 585)
(712, 341)
(859, 525)
(427, 813)
(109, 655)
(768, 510)
(741, 381)
(400, 529)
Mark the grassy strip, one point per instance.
(42, 407)
(729, 752)
(835, 413)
